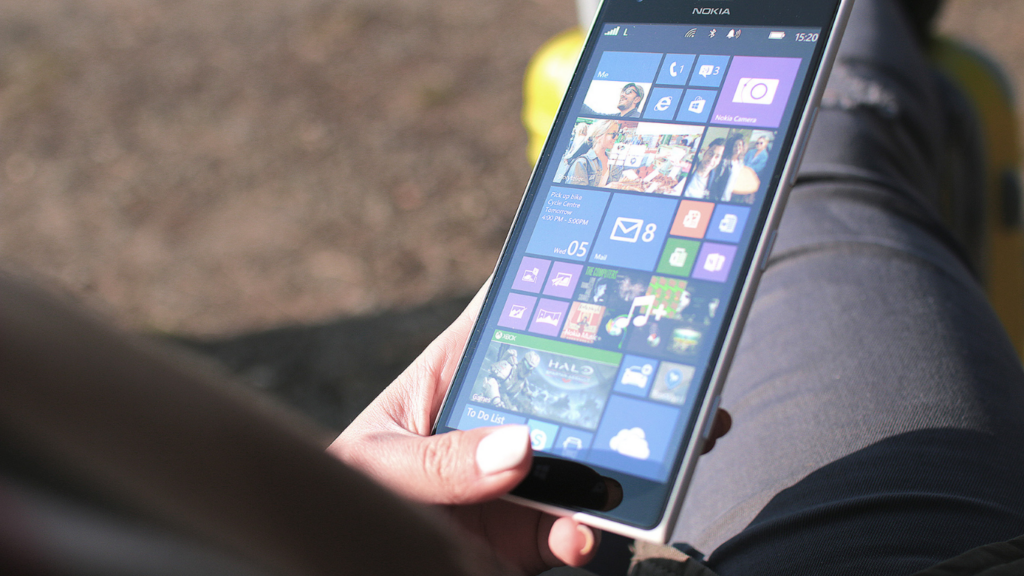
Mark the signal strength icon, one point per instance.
(613, 31)
(691, 33)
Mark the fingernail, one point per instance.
(503, 449)
(588, 539)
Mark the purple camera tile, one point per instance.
(516, 313)
(756, 91)
(530, 277)
(714, 262)
(563, 279)
(549, 317)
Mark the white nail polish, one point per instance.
(502, 449)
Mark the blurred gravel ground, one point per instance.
(219, 166)
(306, 190)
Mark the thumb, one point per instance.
(458, 467)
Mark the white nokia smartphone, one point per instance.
(622, 289)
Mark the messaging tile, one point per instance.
(709, 71)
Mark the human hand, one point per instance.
(466, 471)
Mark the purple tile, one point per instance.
(530, 277)
(516, 313)
(714, 262)
(756, 91)
(563, 279)
(549, 317)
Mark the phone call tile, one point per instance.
(678, 257)
(542, 435)
(517, 310)
(634, 437)
(727, 223)
(696, 106)
(474, 416)
(549, 317)
(563, 279)
(692, 218)
(663, 103)
(675, 69)
(714, 262)
(633, 231)
(709, 71)
(636, 374)
(572, 443)
(531, 274)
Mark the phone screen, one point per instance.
(625, 265)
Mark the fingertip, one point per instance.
(503, 449)
(573, 543)
(719, 427)
(726, 421)
(589, 540)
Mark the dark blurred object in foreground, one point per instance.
(331, 371)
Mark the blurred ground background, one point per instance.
(306, 190)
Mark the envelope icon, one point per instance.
(626, 229)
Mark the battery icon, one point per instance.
(776, 35)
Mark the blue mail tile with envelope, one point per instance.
(633, 231)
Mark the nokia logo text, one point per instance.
(711, 11)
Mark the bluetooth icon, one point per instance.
(713, 32)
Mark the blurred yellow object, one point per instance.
(1002, 258)
(546, 79)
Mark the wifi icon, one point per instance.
(691, 33)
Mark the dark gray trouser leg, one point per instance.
(878, 404)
